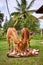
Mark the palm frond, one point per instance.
(31, 11)
(23, 4)
(18, 9)
(18, 4)
(30, 4)
(16, 17)
(15, 23)
(15, 13)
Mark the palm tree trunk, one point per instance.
(7, 7)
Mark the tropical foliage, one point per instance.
(30, 22)
(22, 18)
(1, 18)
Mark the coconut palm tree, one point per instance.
(22, 17)
(22, 8)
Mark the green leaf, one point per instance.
(30, 4)
(18, 4)
(18, 9)
(15, 13)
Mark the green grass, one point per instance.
(4, 60)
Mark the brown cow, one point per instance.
(25, 36)
(13, 36)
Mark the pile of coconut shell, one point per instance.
(26, 53)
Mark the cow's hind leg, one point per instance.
(8, 44)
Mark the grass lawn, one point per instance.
(4, 60)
